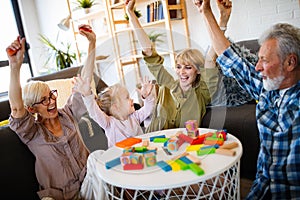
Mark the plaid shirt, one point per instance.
(278, 120)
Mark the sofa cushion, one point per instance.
(18, 180)
(239, 121)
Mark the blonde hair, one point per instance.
(109, 96)
(191, 56)
(33, 92)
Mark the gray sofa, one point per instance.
(17, 162)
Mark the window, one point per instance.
(11, 27)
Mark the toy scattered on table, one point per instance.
(137, 157)
(174, 143)
(191, 127)
(128, 142)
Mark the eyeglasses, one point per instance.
(46, 100)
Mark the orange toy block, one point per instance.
(128, 142)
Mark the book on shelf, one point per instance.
(155, 11)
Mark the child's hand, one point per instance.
(81, 86)
(146, 87)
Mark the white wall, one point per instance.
(249, 19)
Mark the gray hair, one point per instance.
(288, 38)
(33, 92)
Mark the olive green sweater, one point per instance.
(175, 107)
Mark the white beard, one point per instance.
(273, 84)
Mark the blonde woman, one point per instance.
(51, 134)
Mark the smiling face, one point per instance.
(47, 109)
(270, 65)
(187, 75)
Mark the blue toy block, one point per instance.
(164, 166)
(185, 160)
(113, 163)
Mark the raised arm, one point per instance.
(88, 69)
(219, 41)
(15, 90)
(140, 33)
(225, 12)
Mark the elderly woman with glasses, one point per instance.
(50, 133)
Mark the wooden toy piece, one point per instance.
(183, 165)
(160, 140)
(164, 166)
(214, 142)
(185, 160)
(136, 158)
(201, 138)
(191, 125)
(150, 159)
(157, 136)
(185, 138)
(112, 163)
(128, 142)
(139, 149)
(195, 147)
(145, 143)
(203, 152)
(166, 151)
(179, 156)
(210, 146)
(222, 134)
(133, 166)
(196, 169)
(173, 144)
(174, 165)
(227, 152)
(194, 159)
(125, 158)
(229, 145)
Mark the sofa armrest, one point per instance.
(18, 180)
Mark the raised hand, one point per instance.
(146, 87)
(15, 52)
(130, 5)
(202, 5)
(82, 86)
(224, 7)
(87, 31)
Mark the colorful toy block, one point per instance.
(185, 138)
(128, 142)
(112, 163)
(164, 166)
(138, 166)
(203, 152)
(174, 165)
(173, 144)
(183, 165)
(150, 159)
(195, 147)
(192, 128)
(157, 136)
(196, 169)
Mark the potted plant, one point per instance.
(155, 37)
(85, 4)
(137, 13)
(63, 58)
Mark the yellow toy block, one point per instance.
(195, 147)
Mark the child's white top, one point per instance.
(117, 130)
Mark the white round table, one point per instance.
(220, 181)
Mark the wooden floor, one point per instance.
(245, 187)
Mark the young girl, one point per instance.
(114, 110)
